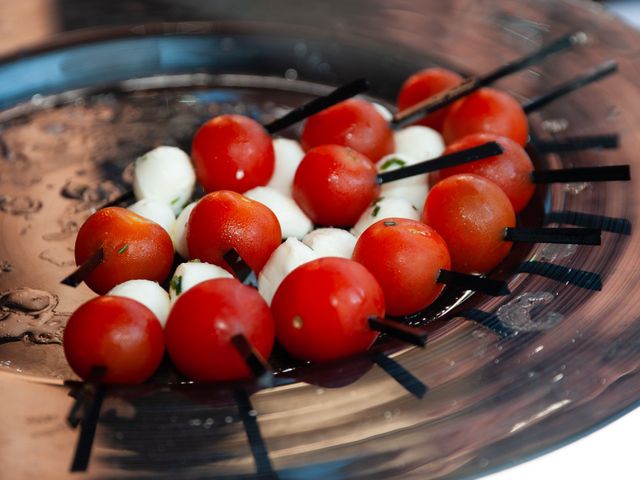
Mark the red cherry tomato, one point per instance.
(224, 220)
(405, 257)
(118, 333)
(486, 111)
(471, 214)
(353, 123)
(425, 84)
(134, 248)
(232, 152)
(334, 185)
(321, 309)
(511, 170)
(205, 318)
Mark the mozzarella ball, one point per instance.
(164, 174)
(418, 142)
(385, 207)
(330, 242)
(288, 154)
(148, 293)
(284, 259)
(190, 274)
(179, 231)
(293, 221)
(413, 189)
(156, 211)
(383, 111)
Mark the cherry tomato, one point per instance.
(486, 111)
(118, 333)
(334, 185)
(353, 123)
(224, 220)
(471, 213)
(205, 318)
(321, 309)
(232, 152)
(425, 84)
(511, 170)
(134, 248)
(405, 257)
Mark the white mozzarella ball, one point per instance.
(385, 207)
(293, 221)
(190, 274)
(284, 259)
(330, 242)
(421, 143)
(413, 189)
(164, 174)
(288, 155)
(179, 231)
(156, 211)
(148, 293)
(383, 111)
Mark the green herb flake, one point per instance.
(375, 211)
(175, 200)
(176, 284)
(390, 223)
(391, 162)
(123, 249)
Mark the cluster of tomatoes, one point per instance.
(320, 305)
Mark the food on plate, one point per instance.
(385, 207)
(322, 310)
(202, 323)
(334, 185)
(354, 123)
(225, 220)
(293, 221)
(471, 213)
(425, 84)
(418, 142)
(179, 231)
(511, 170)
(288, 155)
(148, 293)
(156, 211)
(164, 174)
(132, 248)
(232, 152)
(117, 333)
(330, 242)
(192, 273)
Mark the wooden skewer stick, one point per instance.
(82, 272)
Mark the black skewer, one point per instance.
(485, 150)
(477, 283)
(399, 331)
(573, 236)
(598, 73)
(318, 104)
(259, 367)
(607, 173)
(240, 268)
(576, 144)
(122, 198)
(436, 102)
(83, 271)
(404, 377)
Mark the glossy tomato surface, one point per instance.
(425, 84)
(118, 333)
(134, 248)
(224, 220)
(511, 170)
(405, 257)
(471, 213)
(232, 152)
(334, 185)
(486, 111)
(203, 321)
(321, 309)
(353, 123)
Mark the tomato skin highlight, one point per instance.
(134, 248)
(321, 309)
(405, 257)
(471, 213)
(511, 170)
(353, 123)
(334, 185)
(486, 111)
(118, 333)
(205, 318)
(232, 152)
(425, 84)
(224, 220)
